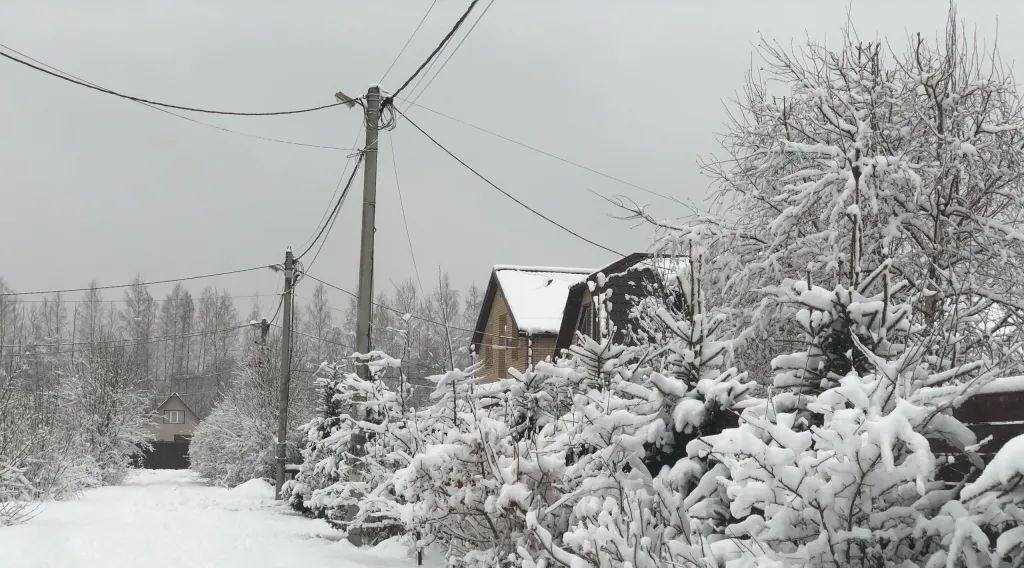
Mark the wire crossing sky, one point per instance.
(96, 188)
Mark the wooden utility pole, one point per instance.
(369, 213)
(286, 373)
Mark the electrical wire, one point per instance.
(337, 186)
(387, 101)
(311, 336)
(152, 282)
(545, 152)
(181, 116)
(280, 302)
(408, 41)
(410, 314)
(405, 219)
(95, 87)
(124, 342)
(122, 300)
(505, 193)
(454, 51)
(329, 222)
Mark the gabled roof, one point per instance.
(535, 296)
(174, 396)
(574, 299)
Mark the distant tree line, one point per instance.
(80, 376)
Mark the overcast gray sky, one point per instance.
(98, 187)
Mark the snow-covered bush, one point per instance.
(112, 412)
(842, 477)
(231, 446)
(984, 528)
(453, 486)
(235, 443)
(624, 439)
(65, 428)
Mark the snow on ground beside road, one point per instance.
(168, 518)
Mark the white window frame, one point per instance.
(170, 415)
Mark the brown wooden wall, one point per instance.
(497, 360)
(515, 345)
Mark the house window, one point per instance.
(174, 417)
(586, 323)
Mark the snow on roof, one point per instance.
(536, 294)
(558, 269)
(1003, 385)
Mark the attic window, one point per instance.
(174, 417)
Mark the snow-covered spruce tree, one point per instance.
(842, 478)
(918, 151)
(479, 474)
(349, 464)
(694, 385)
(318, 467)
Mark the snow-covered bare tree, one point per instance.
(914, 151)
(138, 322)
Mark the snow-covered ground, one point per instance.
(169, 518)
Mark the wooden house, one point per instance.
(172, 427)
(521, 315)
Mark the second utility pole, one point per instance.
(365, 300)
(286, 374)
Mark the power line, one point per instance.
(311, 336)
(505, 193)
(123, 342)
(122, 300)
(454, 51)
(329, 222)
(152, 282)
(546, 153)
(181, 116)
(408, 41)
(405, 219)
(387, 101)
(337, 186)
(246, 134)
(410, 314)
(95, 87)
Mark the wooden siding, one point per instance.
(1000, 415)
(543, 348)
(496, 361)
(497, 351)
(627, 289)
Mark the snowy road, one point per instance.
(167, 518)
